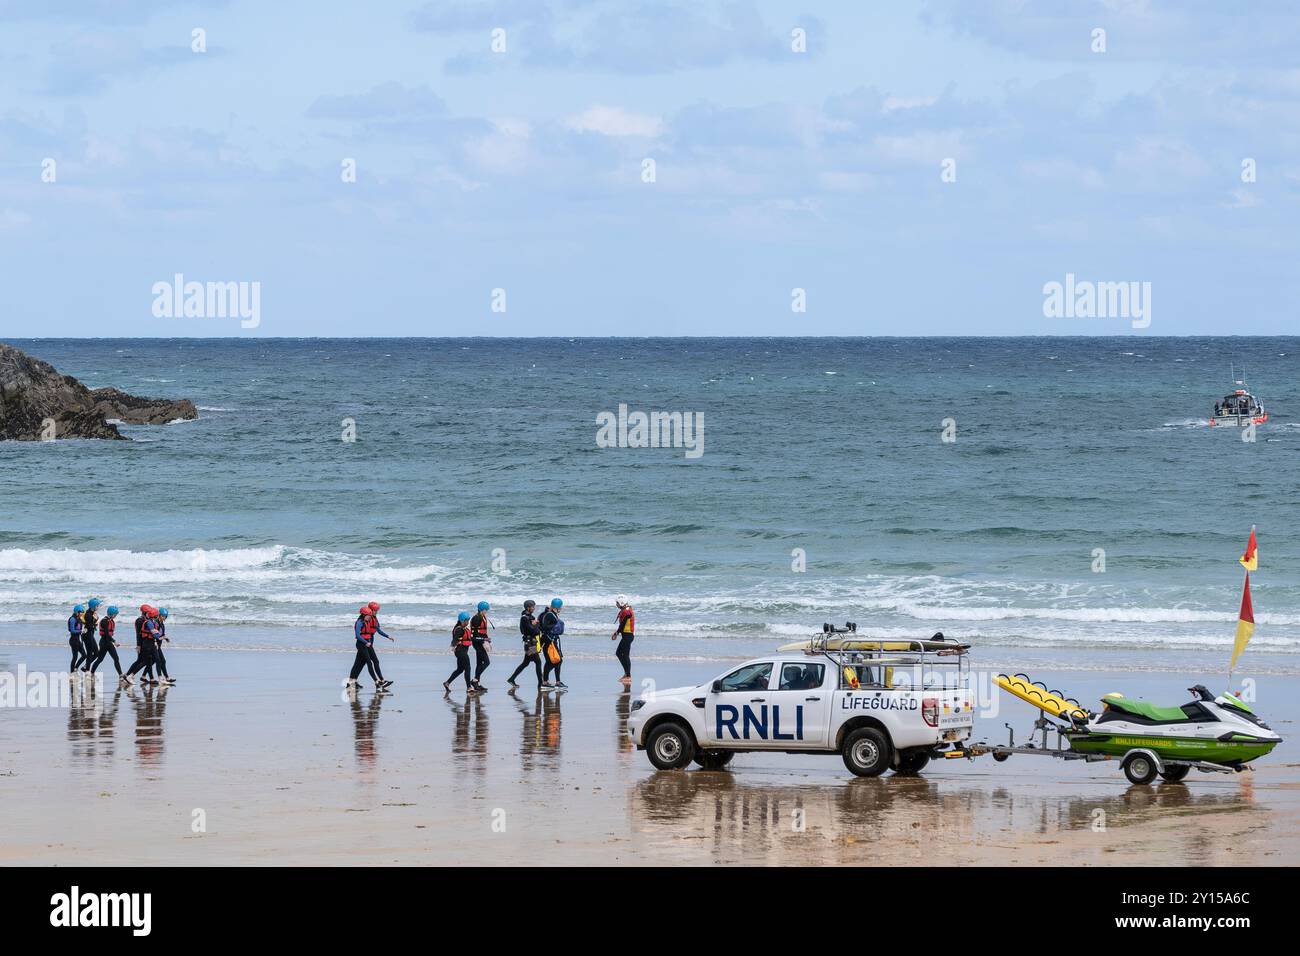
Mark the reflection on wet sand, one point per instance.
(92, 716)
(364, 722)
(469, 735)
(149, 703)
(539, 741)
(622, 708)
(909, 819)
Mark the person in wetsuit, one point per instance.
(478, 631)
(146, 628)
(623, 633)
(89, 620)
(159, 659)
(460, 644)
(529, 631)
(107, 645)
(364, 630)
(552, 627)
(75, 627)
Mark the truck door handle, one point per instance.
(757, 700)
(812, 698)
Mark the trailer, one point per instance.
(1140, 757)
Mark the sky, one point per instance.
(914, 168)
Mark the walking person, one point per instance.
(460, 644)
(145, 629)
(107, 644)
(75, 627)
(530, 631)
(364, 630)
(623, 633)
(89, 619)
(157, 649)
(478, 631)
(552, 628)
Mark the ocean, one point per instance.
(824, 492)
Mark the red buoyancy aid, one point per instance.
(369, 624)
(106, 627)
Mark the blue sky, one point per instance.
(775, 170)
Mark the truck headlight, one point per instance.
(637, 705)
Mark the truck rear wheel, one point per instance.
(912, 763)
(866, 752)
(670, 746)
(713, 759)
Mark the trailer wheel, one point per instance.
(1175, 774)
(713, 759)
(1000, 757)
(866, 752)
(912, 763)
(1140, 769)
(670, 747)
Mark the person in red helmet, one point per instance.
(364, 630)
(145, 629)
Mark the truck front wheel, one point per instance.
(866, 752)
(670, 747)
(713, 759)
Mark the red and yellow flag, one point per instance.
(1245, 623)
(1250, 560)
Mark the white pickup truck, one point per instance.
(807, 703)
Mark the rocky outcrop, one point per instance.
(35, 400)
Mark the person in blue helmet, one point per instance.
(89, 619)
(482, 640)
(552, 627)
(159, 659)
(108, 645)
(460, 644)
(75, 628)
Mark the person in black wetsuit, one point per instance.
(529, 631)
(145, 630)
(552, 627)
(365, 629)
(107, 645)
(460, 644)
(478, 632)
(75, 627)
(89, 620)
(159, 659)
(623, 633)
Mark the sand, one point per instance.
(262, 758)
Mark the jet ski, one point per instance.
(1221, 730)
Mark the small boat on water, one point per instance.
(1239, 408)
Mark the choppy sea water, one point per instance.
(476, 474)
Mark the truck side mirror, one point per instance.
(717, 687)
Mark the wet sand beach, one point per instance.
(280, 766)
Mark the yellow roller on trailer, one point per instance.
(1051, 702)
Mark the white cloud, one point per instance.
(615, 121)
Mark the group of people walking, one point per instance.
(540, 633)
(93, 638)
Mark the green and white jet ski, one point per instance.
(1220, 730)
